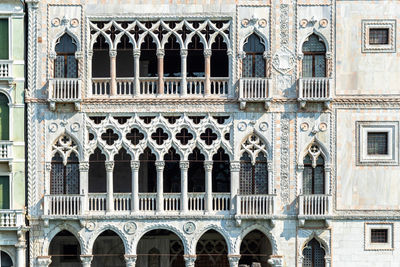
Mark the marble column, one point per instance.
(184, 165)
(130, 260)
(235, 176)
(43, 261)
(268, 64)
(84, 184)
(208, 165)
(233, 260)
(184, 53)
(86, 260)
(89, 74)
(113, 71)
(135, 165)
(160, 70)
(207, 71)
(160, 185)
(21, 250)
(327, 261)
(189, 260)
(110, 186)
(136, 58)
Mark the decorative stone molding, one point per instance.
(136, 53)
(160, 165)
(276, 261)
(285, 155)
(184, 52)
(207, 52)
(283, 60)
(86, 260)
(84, 166)
(135, 164)
(113, 53)
(160, 53)
(235, 166)
(208, 165)
(109, 166)
(43, 261)
(233, 260)
(130, 260)
(388, 24)
(184, 165)
(189, 260)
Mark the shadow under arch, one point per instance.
(108, 249)
(65, 248)
(255, 248)
(212, 249)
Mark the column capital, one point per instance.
(300, 167)
(189, 260)
(48, 166)
(113, 53)
(207, 52)
(109, 166)
(241, 55)
(235, 166)
(276, 261)
(160, 165)
(43, 261)
(34, 4)
(90, 54)
(130, 260)
(135, 164)
(233, 260)
(136, 52)
(86, 259)
(208, 164)
(184, 164)
(160, 53)
(84, 166)
(267, 55)
(21, 244)
(184, 52)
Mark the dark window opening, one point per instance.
(135, 136)
(97, 172)
(64, 249)
(221, 174)
(208, 136)
(313, 254)
(97, 120)
(122, 120)
(254, 62)
(314, 51)
(64, 178)
(313, 178)
(172, 58)
(196, 172)
(253, 178)
(122, 172)
(159, 136)
(172, 172)
(110, 137)
(147, 119)
(195, 58)
(4, 44)
(5, 260)
(172, 119)
(221, 119)
(379, 36)
(211, 250)
(108, 250)
(196, 119)
(148, 58)
(65, 64)
(255, 250)
(377, 143)
(184, 136)
(219, 58)
(379, 235)
(125, 61)
(101, 58)
(4, 117)
(147, 172)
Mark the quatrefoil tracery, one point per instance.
(253, 146)
(65, 146)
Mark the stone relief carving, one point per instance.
(189, 228)
(130, 228)
(285, 157)
(283, 60)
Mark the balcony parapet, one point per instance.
(253, 206)
(6, 151)
(314, 207)
(11, 219)
(65, 90)
(315, 89)
(6, 73)
(255, 90)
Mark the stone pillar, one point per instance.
(84, 184)
(43, 261)
(160, 185)
(47, 182)
(327, 261)
(130, 260)
(21, 249)
(184, 185)
(184, 53)
(136, 57)
(327, 179)
(207, 71)
(160, 70)
(231, 92)
(208, 165)
(113, 71)
(300, 169)
(268, 64)
(89, 73)
(135, 165)
(233, 260)
(235, 176)
(270, 179)
(110, 185)
(189, 260)
(86, 260)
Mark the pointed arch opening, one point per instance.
(211, 250)
(255, 249)
(148, 58)
(314, 60)
(65, 63)
(172, 58)
(147, 172)
(108, 250)
(314, 172)
(64, 177)
(253, 65)
(195, 58)
(313, 254)
(125, 60)
(196, 172)
(97, 172)
(5, 260)
(221, 174)
(122, 172)
(172, 172)
(64, 250)
(4, 117)
(219, 58)
(160, 248)
(101, 58)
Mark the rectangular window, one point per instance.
(377, 143)
(379, 36)
(4, 192)
(379, 235)
(3, 38)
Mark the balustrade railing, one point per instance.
(65, 89)
(5, 68)
(221, 201)
(122, 201)
(5, 150)
(172, 86)
(195, 85)
(219, 86)
(196, 201)
(125, 86)
(97, 201)
(315, 89)
(255, 204)
(172, 201)
(11, 218)
(254, 89)
(148, 86)
(147, 201)
(63, 205)
(314, 205)
(101, 86)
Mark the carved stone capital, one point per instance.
(184, 164)
(109, 166)
(130, 260)
(135, 164)
(113, 53)
(208, 165)
(160, 53)
(267, 55)
(136, 52)
(79, 55)
(207, 52)
(229, 52)
(20, 245)
(160, 165)
(189, 260)
(90, 54)
(86, 260)
(233, 260)
(48, 166)
(43, 261)
(276, 261)
(241, 55)
(34, 4)
(84, 166)
(235, 166)
(184, 52)
(300, 167)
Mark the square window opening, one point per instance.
(379, 236)
(377, 143)
(379, 36)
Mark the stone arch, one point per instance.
(201, 37)
(262, 137)
(74, 230)
(324, 244)
(7, 94)
(65, 155)
(131, 40)
(220, 231)
(324, 151)
(256, 31)
(306, 36)
(9, 251)
(116, 230)
(265, 231)
(60, 34)
(153, 37)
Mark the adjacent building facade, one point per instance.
(12, 134)
(225, 133)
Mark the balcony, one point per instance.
(65, 90)
(315, 90)
(314, 207)
(6, 151)
(6, 70)
(255, 206)
(255, 90)
(11, 219)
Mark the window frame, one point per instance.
(10, 189)
(362, 130)
(367, 25)
(10, 55)
(369, 226)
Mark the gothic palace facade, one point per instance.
(213, 133)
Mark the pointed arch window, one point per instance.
(254, 62)
(313, 254)
(65, 65)
(314, 62)
(314, 172)
(64, 177)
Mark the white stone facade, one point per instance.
(292, 117)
